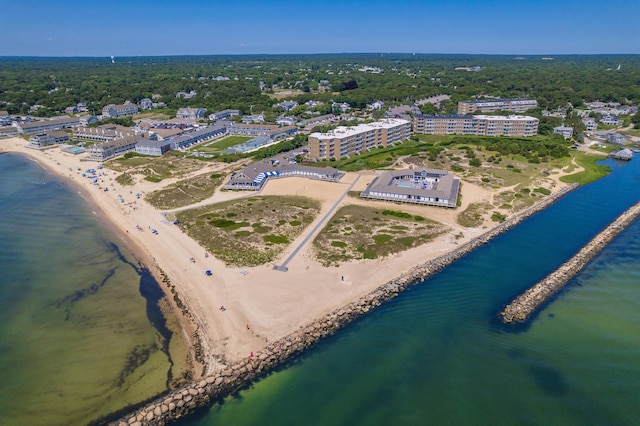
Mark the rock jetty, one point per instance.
(186, 399)
(528, 302)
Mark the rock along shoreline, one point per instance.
(184, 400)
(523, 306)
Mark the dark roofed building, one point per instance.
(417, 186)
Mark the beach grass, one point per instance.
(185, 192)
(357, 232)
(251, 231)
(155, 169)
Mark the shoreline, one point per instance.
(266, 305)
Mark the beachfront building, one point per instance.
(254, 176)
(224, 114)
(103, 133)
(345, 141)
(566, 132)
(40, 140)
(492, 105)
(115, 111)
(417, 186)
(106, 150)
(47, 125)
(191, 113)
(153, 147)
(484, 125)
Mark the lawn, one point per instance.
(222, 144)
(593, 171)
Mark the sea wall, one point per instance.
(528, 302)
(187, 398)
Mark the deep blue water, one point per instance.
(438, 353)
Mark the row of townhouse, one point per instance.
(115, 111)
(492, 105)
(104, 133)
(105, 150)
(345, 141)
(485, 125)
(48, 125)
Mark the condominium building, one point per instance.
(345, 141)
(49, 138)
(486, 125)
(492, 105)
(48, 125)
(115, 111)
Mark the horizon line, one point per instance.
(322, 53)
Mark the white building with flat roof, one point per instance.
(345, 141)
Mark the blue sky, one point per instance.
(161, 27)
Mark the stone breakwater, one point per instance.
(529, 301)
(187, 398)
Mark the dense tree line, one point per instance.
(358, 79)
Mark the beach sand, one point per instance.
(260, 304)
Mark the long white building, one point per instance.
(345, 141)
(485, 125)
(492, 105)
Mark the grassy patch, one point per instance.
(472, 215)
(185, 192)
(249, 232)
(384, 232)
(592, 170)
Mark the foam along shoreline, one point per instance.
(523, 306)
(225, 382)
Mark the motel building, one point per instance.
(416, 186)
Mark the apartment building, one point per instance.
(48, 125)
(486, 125)
(345, 141)
(492, 105)
(40, 140)
(115, 111)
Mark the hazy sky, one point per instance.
(161, 27)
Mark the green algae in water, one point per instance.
(76, 340)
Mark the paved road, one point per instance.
(283, 266)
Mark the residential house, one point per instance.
(590, 124)
(191, 113)
(146, 104)
(566, 132)
(225, 114)
(610, 120)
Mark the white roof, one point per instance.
(342, 131)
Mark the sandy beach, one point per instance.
(260, 304)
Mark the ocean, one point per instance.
(73, 319)
(81, 332)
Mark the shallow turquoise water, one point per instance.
(78, 339)
(438, 353)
